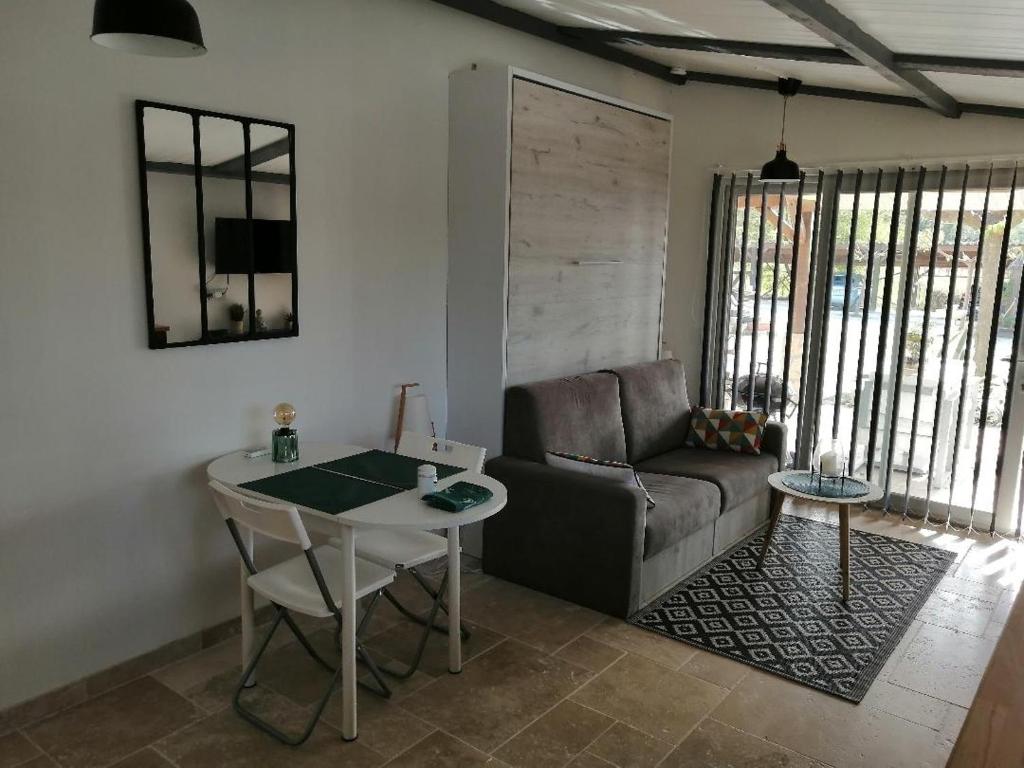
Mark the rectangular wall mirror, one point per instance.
(218, 226)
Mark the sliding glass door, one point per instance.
(879, 309)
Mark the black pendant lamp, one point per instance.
(781, 168)
(149, 27)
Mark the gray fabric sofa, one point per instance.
(594, 542)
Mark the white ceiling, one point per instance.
(987, 29)
(1006, 91)
(966, 28)
(730, 19)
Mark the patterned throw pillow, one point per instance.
(612, 470)
(718, 430)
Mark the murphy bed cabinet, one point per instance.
(558, 217)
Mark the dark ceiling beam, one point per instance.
(993, 109)
(960, 65)
(531, 25)
(835, 28)
(824, 91)
(848, 94)
(523, 22)
(816, 54)
(822, 55)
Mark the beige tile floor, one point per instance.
(550, 684)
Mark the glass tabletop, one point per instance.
(824, 486)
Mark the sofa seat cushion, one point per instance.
(681, 507)
(737, 476)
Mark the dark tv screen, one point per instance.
(272, 246)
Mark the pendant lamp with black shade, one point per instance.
(148, 27)
(781, 168)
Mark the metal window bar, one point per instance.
(922, 356)
(709, 289)
(883, 334)
(947, 329)
(728, 241)
(900, 304)
(756, 284)
(865, 310)
(808, 315)
(826, 304)
(990, 357)
(836, 411)
(968, 347)
(908, 275)
(738, 341)
(794, 272)
(769, 383)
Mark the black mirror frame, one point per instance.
(158, 340)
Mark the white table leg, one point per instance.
(349, 729)
(454, 602)
(248, 608)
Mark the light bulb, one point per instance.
(284, 414)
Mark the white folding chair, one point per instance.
(408, 549)
(302, 584)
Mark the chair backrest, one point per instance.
(434, 449)
(277, 521)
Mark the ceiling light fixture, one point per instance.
(151, 27)
(781, 168)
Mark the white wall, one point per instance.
(738, 128)
(109, 546)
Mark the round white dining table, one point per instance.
(402, 510)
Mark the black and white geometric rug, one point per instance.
(789, 617)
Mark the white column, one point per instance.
(454, 602)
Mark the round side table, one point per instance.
(780, 490)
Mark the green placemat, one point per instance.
(325, 491)
(387, 468)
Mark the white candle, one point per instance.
(829, 463)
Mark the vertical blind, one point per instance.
(880, 309)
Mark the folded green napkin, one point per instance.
(458, 497)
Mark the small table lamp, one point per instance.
(285, 442)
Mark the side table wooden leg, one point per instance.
(777, 499)
(844, 547)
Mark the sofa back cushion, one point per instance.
(655, 408)
(576, 414)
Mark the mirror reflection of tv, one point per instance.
(272, 242)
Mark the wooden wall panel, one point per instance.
(589, 182)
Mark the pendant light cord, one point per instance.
(782, 140)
